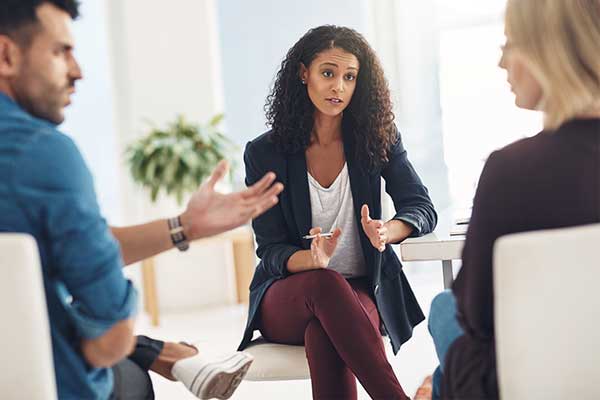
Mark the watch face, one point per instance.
(183, 246)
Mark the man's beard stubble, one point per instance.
(45, 102)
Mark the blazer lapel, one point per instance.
(360, 185)
(299, 195)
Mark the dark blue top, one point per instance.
(279, 231)
(46, 190)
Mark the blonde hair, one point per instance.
(560, 39)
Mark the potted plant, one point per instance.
(179, 158)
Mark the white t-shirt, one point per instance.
(332, 208)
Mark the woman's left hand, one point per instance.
(375, 229)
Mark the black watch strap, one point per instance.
(177, 236)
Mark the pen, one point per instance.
(325, 235)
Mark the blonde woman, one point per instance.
(551, 180)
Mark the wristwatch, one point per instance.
(177, 236)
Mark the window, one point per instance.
(478, 111)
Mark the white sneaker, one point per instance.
(212, 379)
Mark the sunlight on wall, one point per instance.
(478, 110)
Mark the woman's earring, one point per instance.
(303, 82)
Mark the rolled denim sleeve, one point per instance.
(87, 324)
(411, 198)
(84, 258)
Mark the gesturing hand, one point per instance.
(375, 229)
(322, 249)
(209, 212)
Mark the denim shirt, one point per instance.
(47, 191)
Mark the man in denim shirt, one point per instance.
(46, 190)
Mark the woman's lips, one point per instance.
(334, 100)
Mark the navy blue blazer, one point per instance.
(279, 231)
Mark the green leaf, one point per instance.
(154, 193)
(177, 159)
(150, 171)
(216, 120)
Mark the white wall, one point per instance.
(256, 35)
(90, 120)
(254, 38)
(148, 61)
(406, 36)
(166, 62)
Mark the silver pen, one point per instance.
(325, 235)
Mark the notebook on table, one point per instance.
(460, 226)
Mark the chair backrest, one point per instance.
(27, 370)
(547, 314)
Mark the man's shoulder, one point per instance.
(49, 145)
(32, 146)
(32, 133)
(51, 159)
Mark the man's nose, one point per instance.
(75, 70)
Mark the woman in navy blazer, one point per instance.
(330, 113)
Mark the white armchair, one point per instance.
(547, 314)
(27, 370)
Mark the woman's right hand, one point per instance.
(322, 249)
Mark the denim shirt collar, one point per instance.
(9, 105)
(6, 101)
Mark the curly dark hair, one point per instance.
(368, 119)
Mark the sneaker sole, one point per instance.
(220, 379)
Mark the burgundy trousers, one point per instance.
(338, 323)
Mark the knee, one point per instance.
(314, 332)
(443, 308)
(324, 281)
(442, 304)
(131, 381)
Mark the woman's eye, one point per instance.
(350, 77)
(327, 74)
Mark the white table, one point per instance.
(434, 247)
(439, 245)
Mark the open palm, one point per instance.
(210, 212)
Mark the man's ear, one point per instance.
(303, 73)
(10, 57)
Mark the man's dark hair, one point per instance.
(17, 17)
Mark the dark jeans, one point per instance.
(338, 323)
(131, 378)
(444, 329)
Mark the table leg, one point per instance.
(244, 263)
(447, 271)
(150, 295)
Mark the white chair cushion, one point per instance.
(276, 362)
